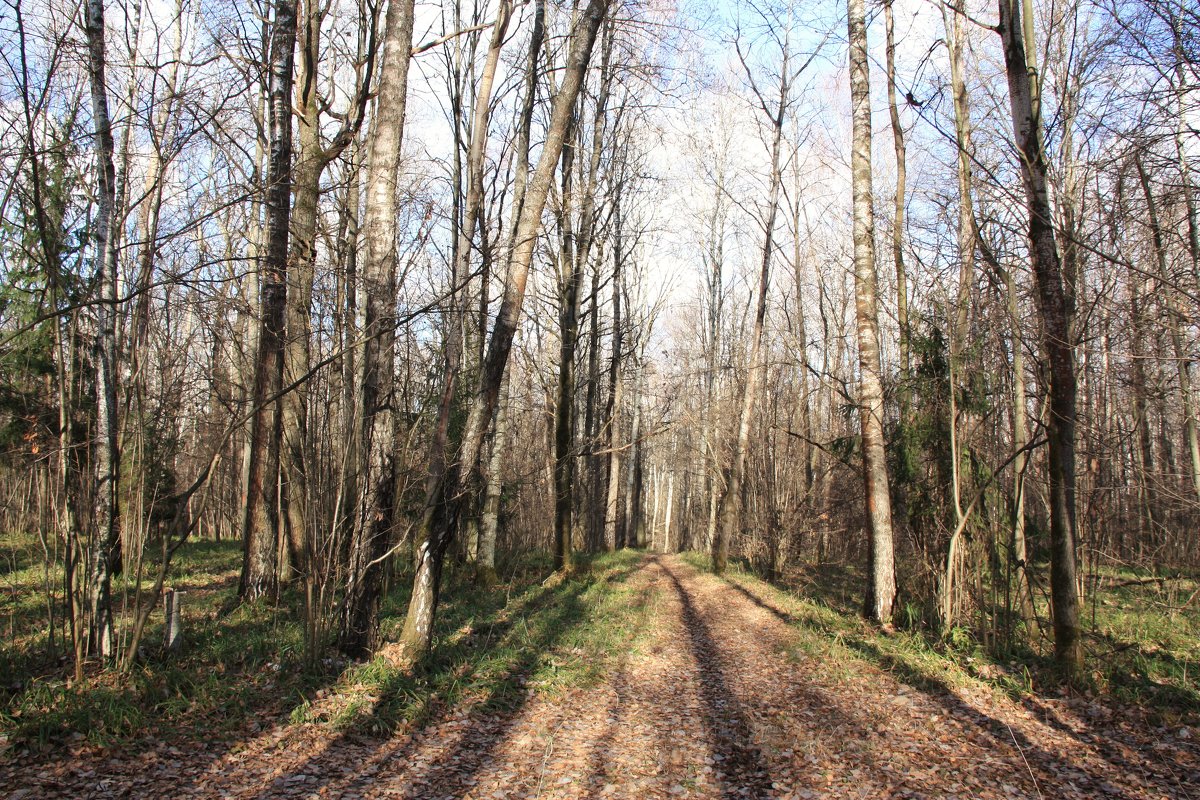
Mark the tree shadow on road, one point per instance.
(744, 770)
(1049, 769)
(489, 670)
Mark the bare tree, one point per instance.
(418, 625)
(881, 587)
(1056, 338)
(755, 366)
(377, 468)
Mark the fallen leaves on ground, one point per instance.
(716, 702)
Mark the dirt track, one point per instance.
(718, 702)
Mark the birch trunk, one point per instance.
(377, 467)
(881, 590)
(106, 451)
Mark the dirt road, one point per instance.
(721, 699)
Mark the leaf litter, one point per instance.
(718, 700)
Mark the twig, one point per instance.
(546, 759)
(1027, 767)
(1182, 606)
(421, 48)
(1140, 582)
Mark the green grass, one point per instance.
(1145, 638)
(494, 648)
(223, 677)
(243, 666)
(1143, 643)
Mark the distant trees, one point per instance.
(776, 113)
(255, 289)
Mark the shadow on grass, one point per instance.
(483, 660)
(234, 672)
(601, 751)
(231, 672)
(836, 586)
(1128, 668)
(1154, 678)
(1049, 769)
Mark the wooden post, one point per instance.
(173, 614)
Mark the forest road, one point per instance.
(727, 694)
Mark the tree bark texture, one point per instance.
(1053, 308)
(377, 401)
(261, 523)
(106, 451)
(881, 588)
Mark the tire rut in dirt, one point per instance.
(744, 770)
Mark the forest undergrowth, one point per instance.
(243, 669)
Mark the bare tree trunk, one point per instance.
(107, 453)
(712, 408)
(418, 625)
(442, 445)
(612, 438)
(348, 424)
(881, 589)
(1020, 423)
(460, 334)
(310, 164)
(1056, 335)
(666, 545)
(377, 469)
(898, 212)
(569, 276)
(593, 498)
(491, 481)
(485, 562)
(628, 534)
(260, 524)
(564, 411)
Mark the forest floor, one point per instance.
(712, 687)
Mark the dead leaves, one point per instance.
(708, 707)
